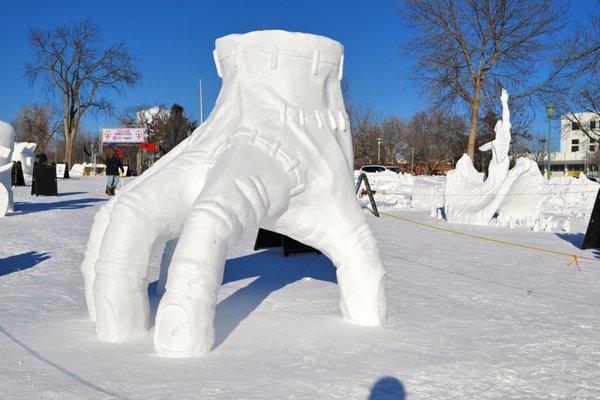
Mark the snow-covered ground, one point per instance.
(468, 319)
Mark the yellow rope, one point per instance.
(572, 257)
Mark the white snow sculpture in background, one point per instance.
(7, 139)
(276, 152)
(25, 152)
(516, 195)
(524, 188)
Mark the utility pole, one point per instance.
(550, 114)
(378, 150)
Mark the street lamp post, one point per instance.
(378, 150)
(412, 161)
(550, 114)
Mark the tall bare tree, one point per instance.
(578, 89)
(78, 69)
(37, 123)
(365, 131)
(435, 138)
(465, 50)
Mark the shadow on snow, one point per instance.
(576, 239)
(273, 272)
(22, 208)
(387, 388)
(21, 262)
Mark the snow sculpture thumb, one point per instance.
(7, 138)
(275, 152)
(25, 152)
(468, 199)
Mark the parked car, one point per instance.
(379, 168)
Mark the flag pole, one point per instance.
(201, 103)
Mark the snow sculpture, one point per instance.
(7, 139)
(523, 192)
(25, 152)
(275, 152)
(516, 195)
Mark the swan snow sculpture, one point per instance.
(7, 139)
(25, 152)
(516, 195)
(276, 152)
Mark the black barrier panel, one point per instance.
(592, 235)
(17, 174)
(267, 239)
(44, 181)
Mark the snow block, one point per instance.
(25, 152)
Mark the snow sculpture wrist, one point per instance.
(7, 137)
(276, 152)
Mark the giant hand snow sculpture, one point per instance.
(516, 195)
(7, 138)
(276, 152)
(25, 152)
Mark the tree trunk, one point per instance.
(474, 124)
(68, 150)
(69, 142)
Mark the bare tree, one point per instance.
(393, 131)
(76, 68)
(435, 138)
(166, 127)
(537, 150)
(465, 50)
(37, 123)
(578, 88)
(365, 131)
(594, 161)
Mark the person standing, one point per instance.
(114, 169)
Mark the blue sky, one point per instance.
(174, 41)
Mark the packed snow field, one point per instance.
(468, 319)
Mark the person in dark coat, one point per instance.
(114, 169)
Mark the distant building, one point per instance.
(576, 148)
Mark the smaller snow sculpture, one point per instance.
(516, 196)
(7, 138)
(25, 152)
(469, 199)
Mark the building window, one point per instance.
(575, 126)
(574, 145)
(592, 124)
(592, 147)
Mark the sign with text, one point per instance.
(123, 135)
(60, 170)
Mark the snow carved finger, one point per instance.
(276, 152)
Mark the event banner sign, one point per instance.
(123, 135)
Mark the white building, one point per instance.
(576, 148)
